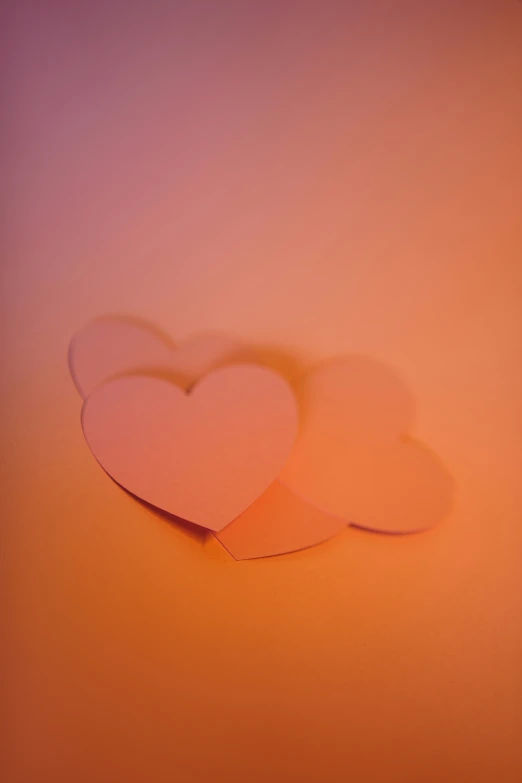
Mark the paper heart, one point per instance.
(278, 521)
(352, 457)
(348, 467)
(114, 346)
(204, 457)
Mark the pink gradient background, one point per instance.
(318, 178)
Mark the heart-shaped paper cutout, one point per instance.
(352, 459)
(115, 346)
(205, 456)
(278, 521)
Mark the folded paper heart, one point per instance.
(204, 456)
(277, 523)
(351, 464)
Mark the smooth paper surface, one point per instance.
(278, 522)
(320, 178)
(205, 456)
(353, 457)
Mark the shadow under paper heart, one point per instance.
(354, 457)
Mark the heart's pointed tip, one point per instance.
(278, 523)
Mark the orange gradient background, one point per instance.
(318, 178)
